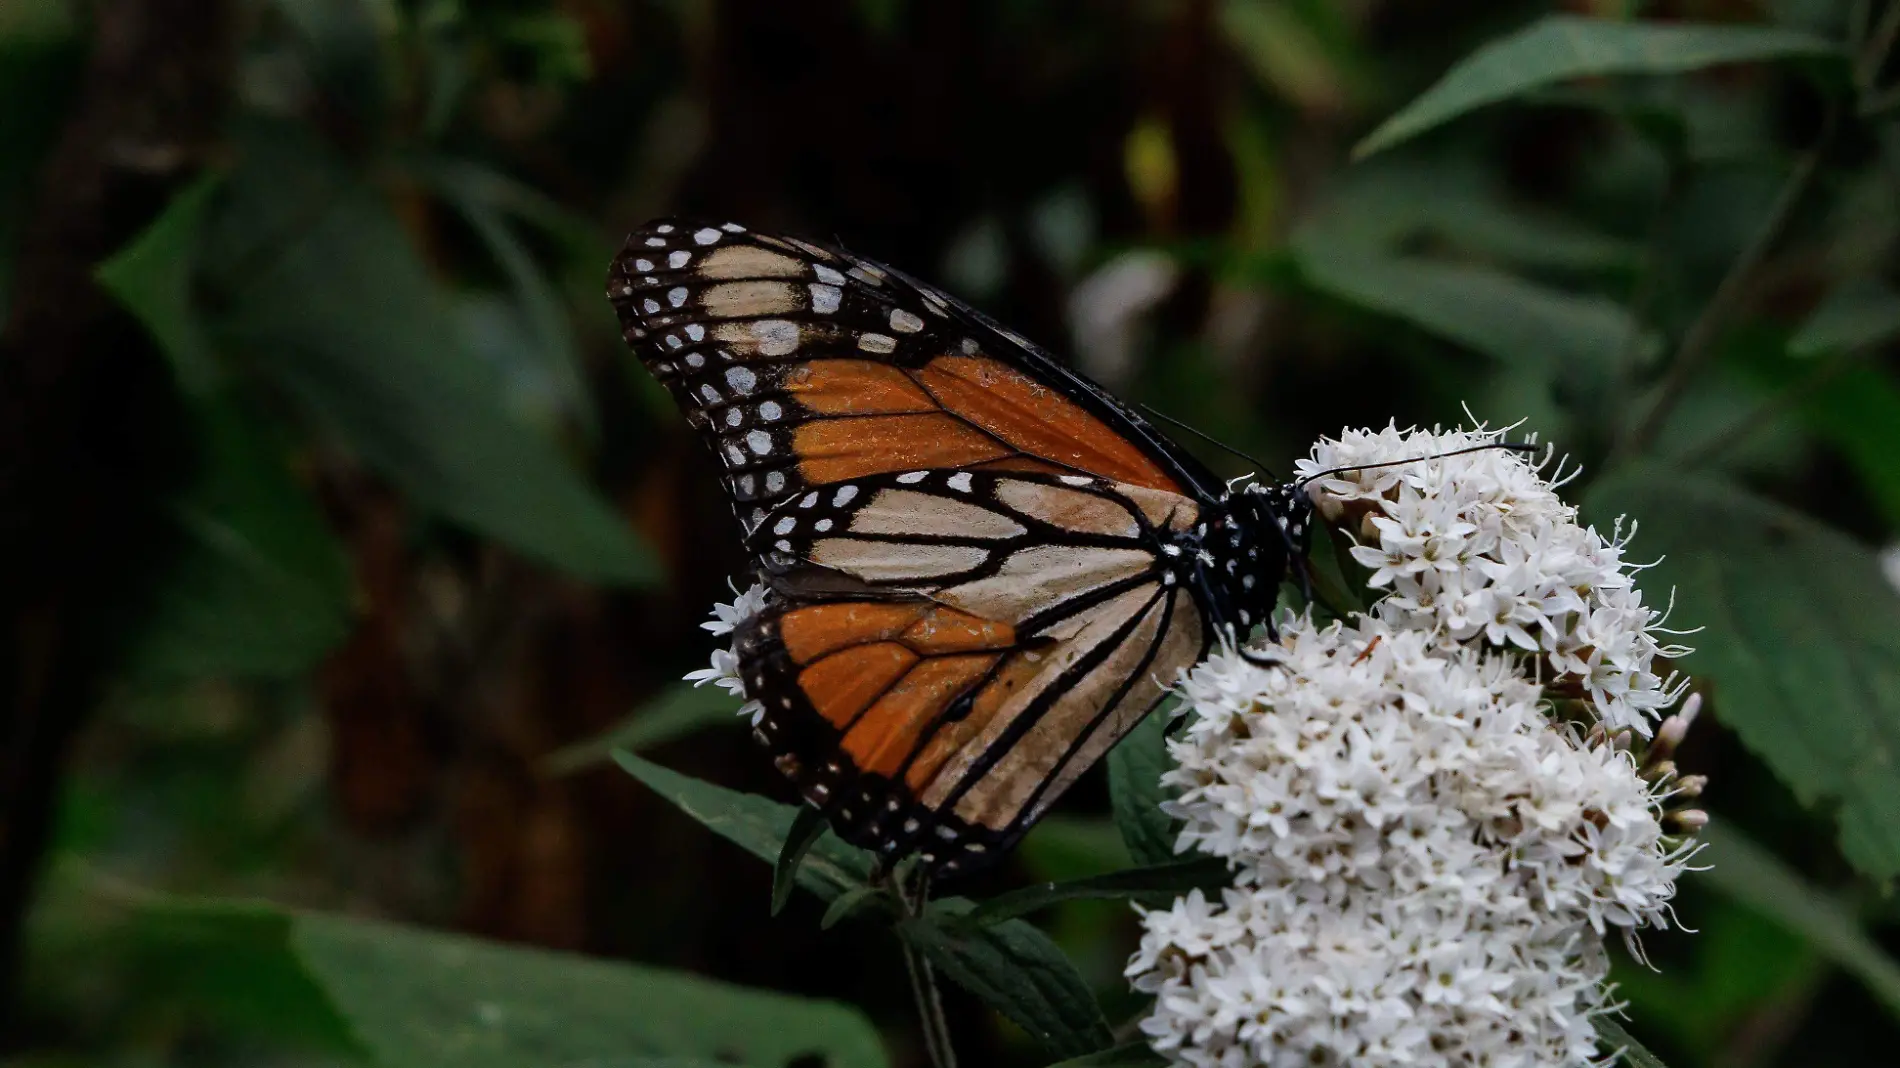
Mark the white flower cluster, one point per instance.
(724, 669)
(1425, 862)
(1480, 547)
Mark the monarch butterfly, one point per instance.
(982, 568)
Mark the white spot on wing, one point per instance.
(678, 258)
(827, 275)
(844, 496)
(777, 337)
(742, 379)
(959, 482)
(696, 331)
(825, 299)
(771, 412)
(759, 442)
(706, 236)
(643, 266)
(877, 343)
(676, 296)
(911, 478)
(905, 322)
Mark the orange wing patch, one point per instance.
(812, 633)
(856, 387)
(884, 737)
(846, 682)
(1036, 420)
(837, 450)
(955, 411)
(883, 673)
(1016, 673)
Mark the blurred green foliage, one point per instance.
(435, 547)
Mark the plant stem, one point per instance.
(1876, 105)
(1643, 292)
(1698, 345)
(1874, 56)
(923, 980)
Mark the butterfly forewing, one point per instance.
(803, 366)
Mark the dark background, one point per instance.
(296, 610)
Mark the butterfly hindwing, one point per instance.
(951, 649)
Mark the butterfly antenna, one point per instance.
(1210, 439)
(1514, 446)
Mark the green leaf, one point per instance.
(1283, 52)
(1858, 411)
(261, 588)
(1016, 970)
(1135, 792)
(1802, 641)
(1061, 846)
(757, 825)
(421, 999)
(153, 278)
(1745, 871)
(850, 903)
(338, 306)
(1158, 884)
(426, 1000)
(807, 827)
(1377, 209)
(1852, 404)
(1502, 316)
(555, 354)
(1861, 314)
(1131, 1055)
(1562, 47)
(1613, 1037)
(231, 962)
(679, 710)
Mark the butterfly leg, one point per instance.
(1261, 658)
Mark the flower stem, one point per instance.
(1698, 345)
(1874, 55)
(923, 979)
